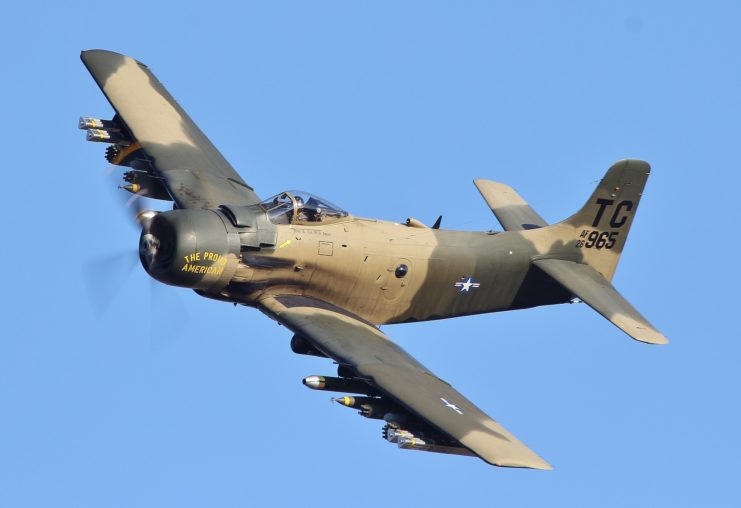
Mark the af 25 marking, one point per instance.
(595, 239)
(605, 239)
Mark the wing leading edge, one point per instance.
(351, 341)
(195, 173)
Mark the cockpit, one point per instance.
(297, 207)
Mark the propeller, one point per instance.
(106, 275)
(132, 200)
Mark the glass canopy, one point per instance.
(297, 207)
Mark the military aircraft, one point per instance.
(333, 279)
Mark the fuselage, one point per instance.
(387, 272)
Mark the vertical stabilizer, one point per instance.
(603, 223)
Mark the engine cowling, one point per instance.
(189, 248)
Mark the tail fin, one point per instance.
(582, 252)
(604, 221)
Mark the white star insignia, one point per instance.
(467, 284)
(452, 406)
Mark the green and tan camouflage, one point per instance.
(332, 278)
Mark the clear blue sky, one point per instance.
(389, 109)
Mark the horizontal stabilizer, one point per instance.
(597, 292)
(512, 212)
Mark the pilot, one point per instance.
(313, 210)
(316, 214)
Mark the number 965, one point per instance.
(597, 240)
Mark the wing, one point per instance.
(510, 209)
(592, 288)
(435, 409)
(195, 173)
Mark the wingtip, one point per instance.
(535, 463)
(87, 54)
(521, 457)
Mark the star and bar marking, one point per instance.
(466, 284)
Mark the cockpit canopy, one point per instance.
(297, 207)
